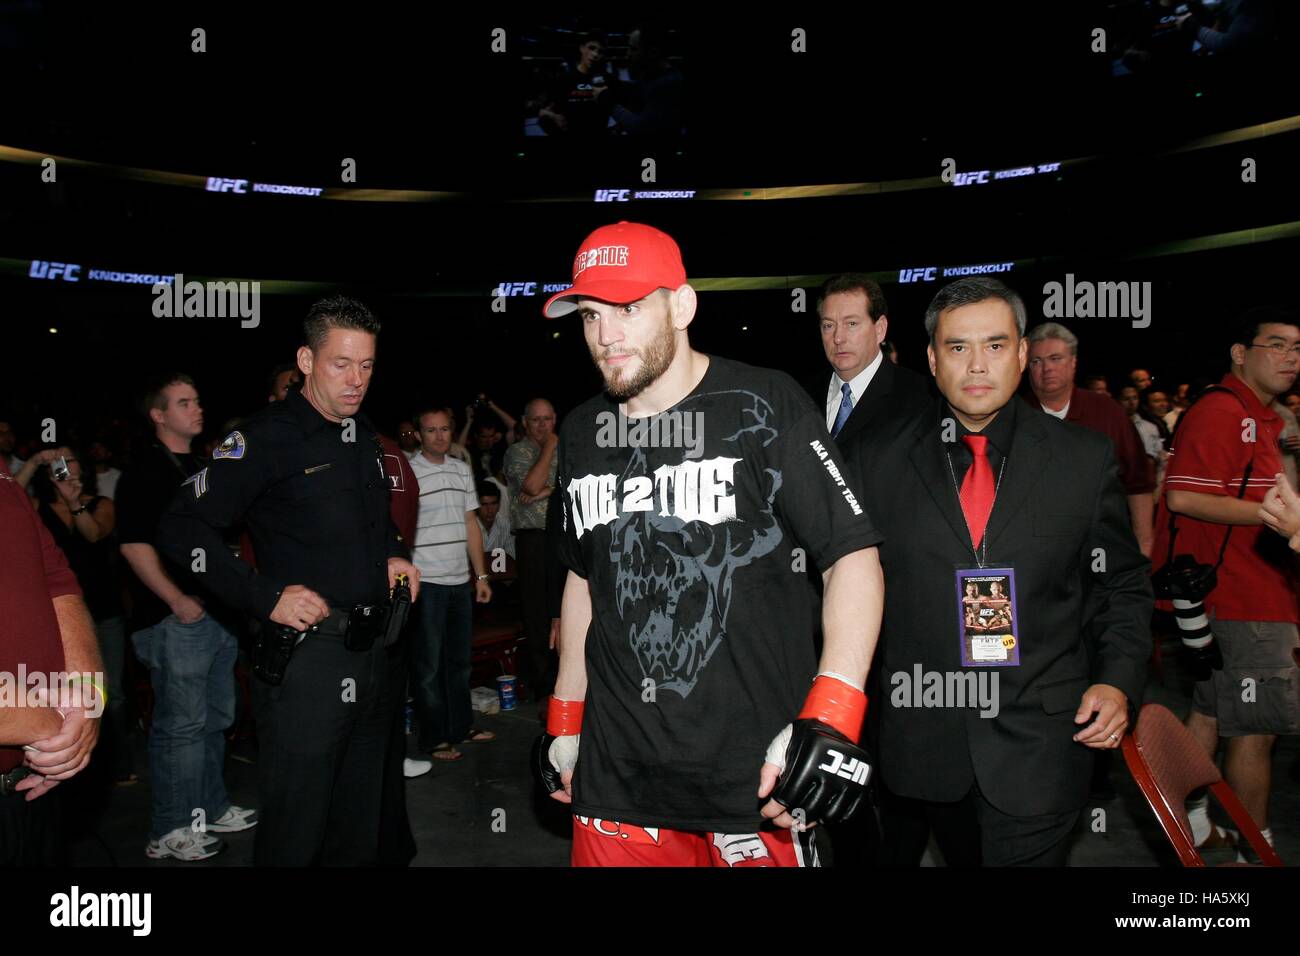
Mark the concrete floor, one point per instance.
(453, 809)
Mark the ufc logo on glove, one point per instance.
(853, 769)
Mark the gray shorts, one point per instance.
(1258, 690)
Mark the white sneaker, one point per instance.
(416, 768)
(183, 844)
(234, 820)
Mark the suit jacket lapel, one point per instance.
(881, 384)
(929, 459)
(1024, 466)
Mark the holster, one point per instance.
(398, 609)
(272, 650)
(365, 623)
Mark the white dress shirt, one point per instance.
(857, 386)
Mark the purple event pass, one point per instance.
(986, 617)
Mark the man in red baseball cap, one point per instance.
(692, 723)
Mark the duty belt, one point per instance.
(358, 626)
(340, 621)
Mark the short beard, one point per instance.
(655, 359)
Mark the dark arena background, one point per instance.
(403, 155)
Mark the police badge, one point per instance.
(232, 447)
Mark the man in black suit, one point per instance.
(853, 318)
(864, 388)
(995, 725)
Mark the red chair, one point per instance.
(494, 649)
(1168, 764)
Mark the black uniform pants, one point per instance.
(324, 740)
(396, 843)
(31, 832)
(538, 663)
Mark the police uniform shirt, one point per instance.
(316, 501)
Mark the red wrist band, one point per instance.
(836, 703)
(564, 717)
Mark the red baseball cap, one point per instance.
(620, 263)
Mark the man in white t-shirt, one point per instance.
(447, 542)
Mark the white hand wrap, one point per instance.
(777, 748)
(563, 754)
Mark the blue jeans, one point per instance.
(116, 731)
(440, 652)
(192, 669)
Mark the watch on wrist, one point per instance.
(483, 577)
(81, 510)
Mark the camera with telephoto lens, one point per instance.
(1186, 582)
(1184, 579)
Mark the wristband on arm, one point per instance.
(564, 717)
(837, 702)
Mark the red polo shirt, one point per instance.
(404, 488)
(1210, 455)
(33, 572)
(1100, 413)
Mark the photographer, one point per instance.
(1212, 547)
(81, 522)
(483, 437)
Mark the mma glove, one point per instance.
(824, 773)
(556, 750)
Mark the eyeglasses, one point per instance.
(1277, 348)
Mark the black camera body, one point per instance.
(1184, 578)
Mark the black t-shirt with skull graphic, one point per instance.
(694, 529)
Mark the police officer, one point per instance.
(306, 476)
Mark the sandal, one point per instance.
(446, 753)
(475, 735)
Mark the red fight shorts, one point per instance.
(608, 843)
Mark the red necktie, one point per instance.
(977, 489)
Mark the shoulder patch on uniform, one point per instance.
(200, 482)
(233, 447)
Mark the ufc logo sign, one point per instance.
(970, 179)
(855, 770)
(612, 195)
(41, 269)
(516, 288)
(217, 184)
(917, 275)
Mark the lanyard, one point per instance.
(175, 461)
(981, 555)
